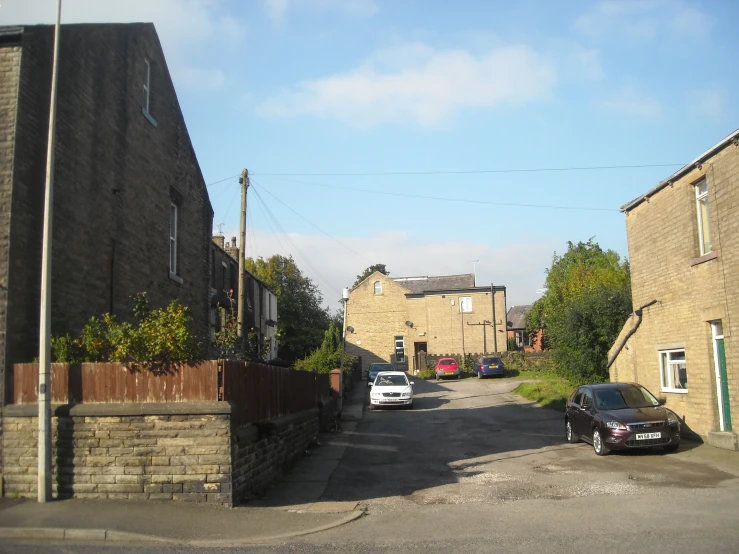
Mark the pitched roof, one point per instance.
(419, 285)
(516, 317)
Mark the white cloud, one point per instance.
(277, 10)
(707, 102)
(632, 102)
(642, 20)
(419, 83)
(182, 26)
(520, 266)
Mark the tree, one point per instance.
(328, 356)
(369, 271)
(301, 320)
(587, 301)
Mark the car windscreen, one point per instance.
(623, 398)
(488, 361)
(391, 381)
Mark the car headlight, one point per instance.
(405, 395)
(672, 419)
(615, 425)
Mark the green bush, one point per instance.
(328, 355)
(466, 365)
(427, 373)
(512, 346)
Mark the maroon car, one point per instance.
(616, 416)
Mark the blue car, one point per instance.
(489, 366)
(376, 368)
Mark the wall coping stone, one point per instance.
(122, 409)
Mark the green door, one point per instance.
(725, 404)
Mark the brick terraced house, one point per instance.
(131, 210)
(682, 342)
(392, 319)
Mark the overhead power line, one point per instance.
(222, 180)
(465, 172)
(449, 199)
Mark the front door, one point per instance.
(722, 380)
(419, 359)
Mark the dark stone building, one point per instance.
(131, 211)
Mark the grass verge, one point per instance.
(550, 393)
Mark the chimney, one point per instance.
(232, 250)
(218, 239)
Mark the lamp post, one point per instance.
(344, 299)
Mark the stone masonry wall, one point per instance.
(261, 453)
(691, 291)
(10, 58)
(177, 456)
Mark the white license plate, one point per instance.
(647, 436)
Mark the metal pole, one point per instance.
(345, 298)
(495, 330)
(44, 366)
(484, 338)
(462, 314)
(244, 180)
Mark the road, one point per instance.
(475, 468)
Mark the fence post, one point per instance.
(337, 389)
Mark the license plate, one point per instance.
(647, 436)
(449, 372)
(492, 367)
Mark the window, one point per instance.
(399, 349)
(673, 371)
(378, 287)
(704, 219)
(587, 399)
(465, 304)
(224, 267)
(173, 223)
(146, 100)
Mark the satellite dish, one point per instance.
(409, 323)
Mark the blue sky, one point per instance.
(417, 86)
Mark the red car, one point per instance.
(447, 367)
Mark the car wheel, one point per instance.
(479, 374)
(598, 445)
(459, 377)
(571, 436)
(372, 406)
(671, 447)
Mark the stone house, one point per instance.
(516, 325)
(131, 211)
(260, 303)
(393, 319)
(682, 342)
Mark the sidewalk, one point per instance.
(292, 507)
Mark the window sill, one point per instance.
(677, 391)
(176, 278)
(704, 258)
(149, 117)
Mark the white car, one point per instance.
(391, 388)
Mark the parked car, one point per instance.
(619, 416)
(447, 367)
(376, 368)
(391, 388)
(489, 366)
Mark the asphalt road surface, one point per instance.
(474, 468)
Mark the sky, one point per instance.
(437, 138)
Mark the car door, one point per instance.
(586, 413)
(573, 411)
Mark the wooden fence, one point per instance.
(259, 391)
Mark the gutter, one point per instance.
(630, 333)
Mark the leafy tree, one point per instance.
(301, 319)
(587, 301)
(328, 356)
(369, 271)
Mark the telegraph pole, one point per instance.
(244, 180)
(44, 366)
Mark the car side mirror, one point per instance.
(413, 383)
(662, 401)
(371, 383)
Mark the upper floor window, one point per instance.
(378, 287)
(673, 371)
(174, 213)
(146, 100)
(465, 304)
(704, 219)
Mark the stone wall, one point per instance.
(691, 290)
(174, 451)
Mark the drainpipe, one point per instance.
(630, 333)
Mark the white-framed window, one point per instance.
(704, 218)
(399, 348)
(465, 304)
(147, 86)
(378, 287)
(173, 223)
(673, 370)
